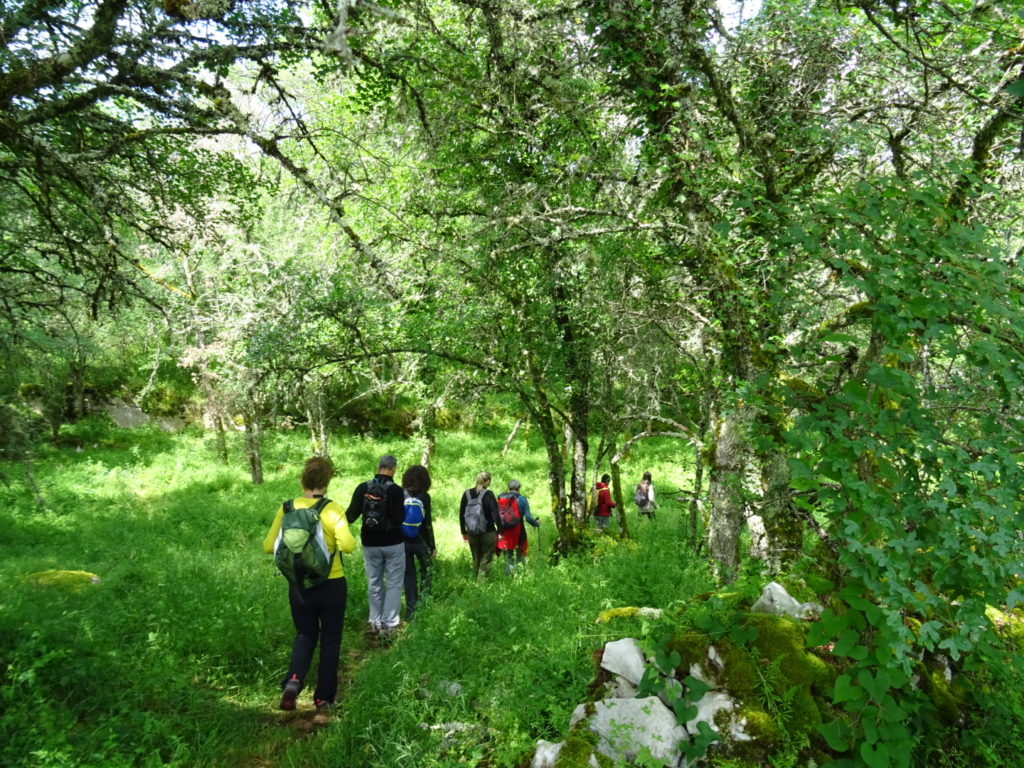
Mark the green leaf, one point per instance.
(695, 689)
(837, 734)
(846, 643)
(684, 711)
(875, 756)
(845, 690)
(876, 685)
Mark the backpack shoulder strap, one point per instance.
(288, 506)
(322, 502)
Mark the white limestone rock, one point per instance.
(624, 657)
(546, 754)
(626, 726)
(710, 704)
(776, 600)
(620, 688)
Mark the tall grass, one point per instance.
(173, 657)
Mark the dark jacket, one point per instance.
(490, 507)
(396, 513)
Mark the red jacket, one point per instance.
(604, 501)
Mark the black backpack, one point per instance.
(375, 506)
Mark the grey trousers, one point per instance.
(385, 574)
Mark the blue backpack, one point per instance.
(414, 516)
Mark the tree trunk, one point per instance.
(428, 423)
(567, 535)
(317, 427)
(511, 436)
(566, 444)
(578, 494)
(252, 444)
(783, 526)
(76, 372)
(726, 491)
(222, 438)
(540, 409)
(619, 505)
(698, 488)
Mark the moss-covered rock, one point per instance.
(70, 580)
(578, 751)
(774, 666)
(779, 636)
(759, 727)
(628, 612)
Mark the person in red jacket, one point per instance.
(603, 513)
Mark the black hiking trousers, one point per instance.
(318, 613)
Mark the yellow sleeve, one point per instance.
(343, 539)
(271, 537)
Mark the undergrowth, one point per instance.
(172, 657)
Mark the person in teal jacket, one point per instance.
(513, 541)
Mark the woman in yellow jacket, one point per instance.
(317, 612)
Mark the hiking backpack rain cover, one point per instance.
(508, 511)
(300, 551)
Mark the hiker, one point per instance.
(317, 611)
(419, 548)
(478, 517)
(603, 512)
(512, 539)
(381, 504)
(644, 496)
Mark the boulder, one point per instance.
(624, 658)
(776, 600)
(625, 727)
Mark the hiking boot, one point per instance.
(324, 706)
(290, 694)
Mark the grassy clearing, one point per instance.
(174, 656)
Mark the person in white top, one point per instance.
(644, 496)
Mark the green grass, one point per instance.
(173, 657)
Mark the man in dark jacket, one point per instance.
(381, 504)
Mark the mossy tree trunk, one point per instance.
(782, 524)
(698, 489)
(729, 458)
(536, 401)
(617, 496)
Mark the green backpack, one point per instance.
(300, 551)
